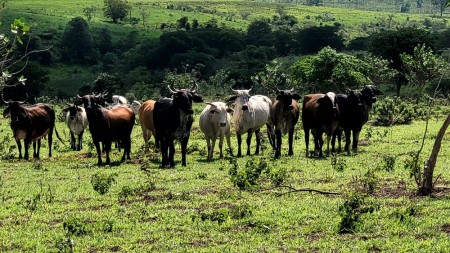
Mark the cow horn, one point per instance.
(103, 94)
(172, 89)
(22, 102)
(250, 88)
(78, 96)
(4, 101)
(278, 90)
(194, 86)
(292, 90)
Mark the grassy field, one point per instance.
(50, 205)
(45, 14)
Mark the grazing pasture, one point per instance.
(67, 202)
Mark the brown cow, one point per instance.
(107, 126)
(146, 121)
(284, 114)
(31, 123)
(320, 114)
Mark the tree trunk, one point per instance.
(427, 183)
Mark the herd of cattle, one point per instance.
(169, 119)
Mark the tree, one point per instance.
(182, 22)
(104, 41)
(259, 33)
(144, 15)
(329, 70)
(77, 43)
(440, 4)
(116, 9)
(391, 44)
(311, 40)
(9, 77)
(422, 67)
(89, 12)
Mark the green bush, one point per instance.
(102, 182)
(393, 111)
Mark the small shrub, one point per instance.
(393, 111)
(202, 175)
(405, 214)
(369, 181)
(102, 182)
(241, 211)
(388, 163)
(220, 215)
(278, 176)
(75, 227)
(338, 164)
(351, 212)
(247, 178)
(108, 226)
(65, 245)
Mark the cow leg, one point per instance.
(128, 147)
(220, 145)
(107, 151)
(328, 143)
(333, 140)
(34, 149)
(213, 145)
(50, 141)
(229, 142)
(80, 141)
(38, 148)
(99, 152)
(27, 146)
(271, 135)
(172, 152)
(208, 144)
(278, 143)
(145, 134)
(306, 130)
(72, 141)
(291, 140)
(249, 141)
(164, 151)
(355, 141)
(19, 147)
(339, 141)
(239, 139)
(347, 140)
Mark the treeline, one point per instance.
(221, 57)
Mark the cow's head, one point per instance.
(242, 97)
(285, 97)
(14, 109)
(371, 91)
(73, 110)
(183, 98)
(91, 101)
(218, 113)
(355, 99)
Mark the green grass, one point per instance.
(160, 209)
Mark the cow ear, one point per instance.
(229, 110)
(79, 109)
(231, 99)
(279, 97)
(78, 102)
(197, 98)
(295, 96)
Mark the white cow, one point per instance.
(215, 123)
(250, 114)
(135, 105)
(119, 100)
(76, 120)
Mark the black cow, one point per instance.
(284, 115)
(107, 126)
(31, 123)
(354, 113)
(320, 114)
(172, 119)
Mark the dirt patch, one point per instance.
(94, 208)
(85, 155)
(445, 228)
(115, 249)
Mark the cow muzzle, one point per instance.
(245, 107)
(223, 124)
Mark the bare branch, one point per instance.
(292, 190)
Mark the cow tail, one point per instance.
(57, 135)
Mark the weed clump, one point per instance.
(248, 178)
(351, 211)
(102, 182)
(75, 227)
